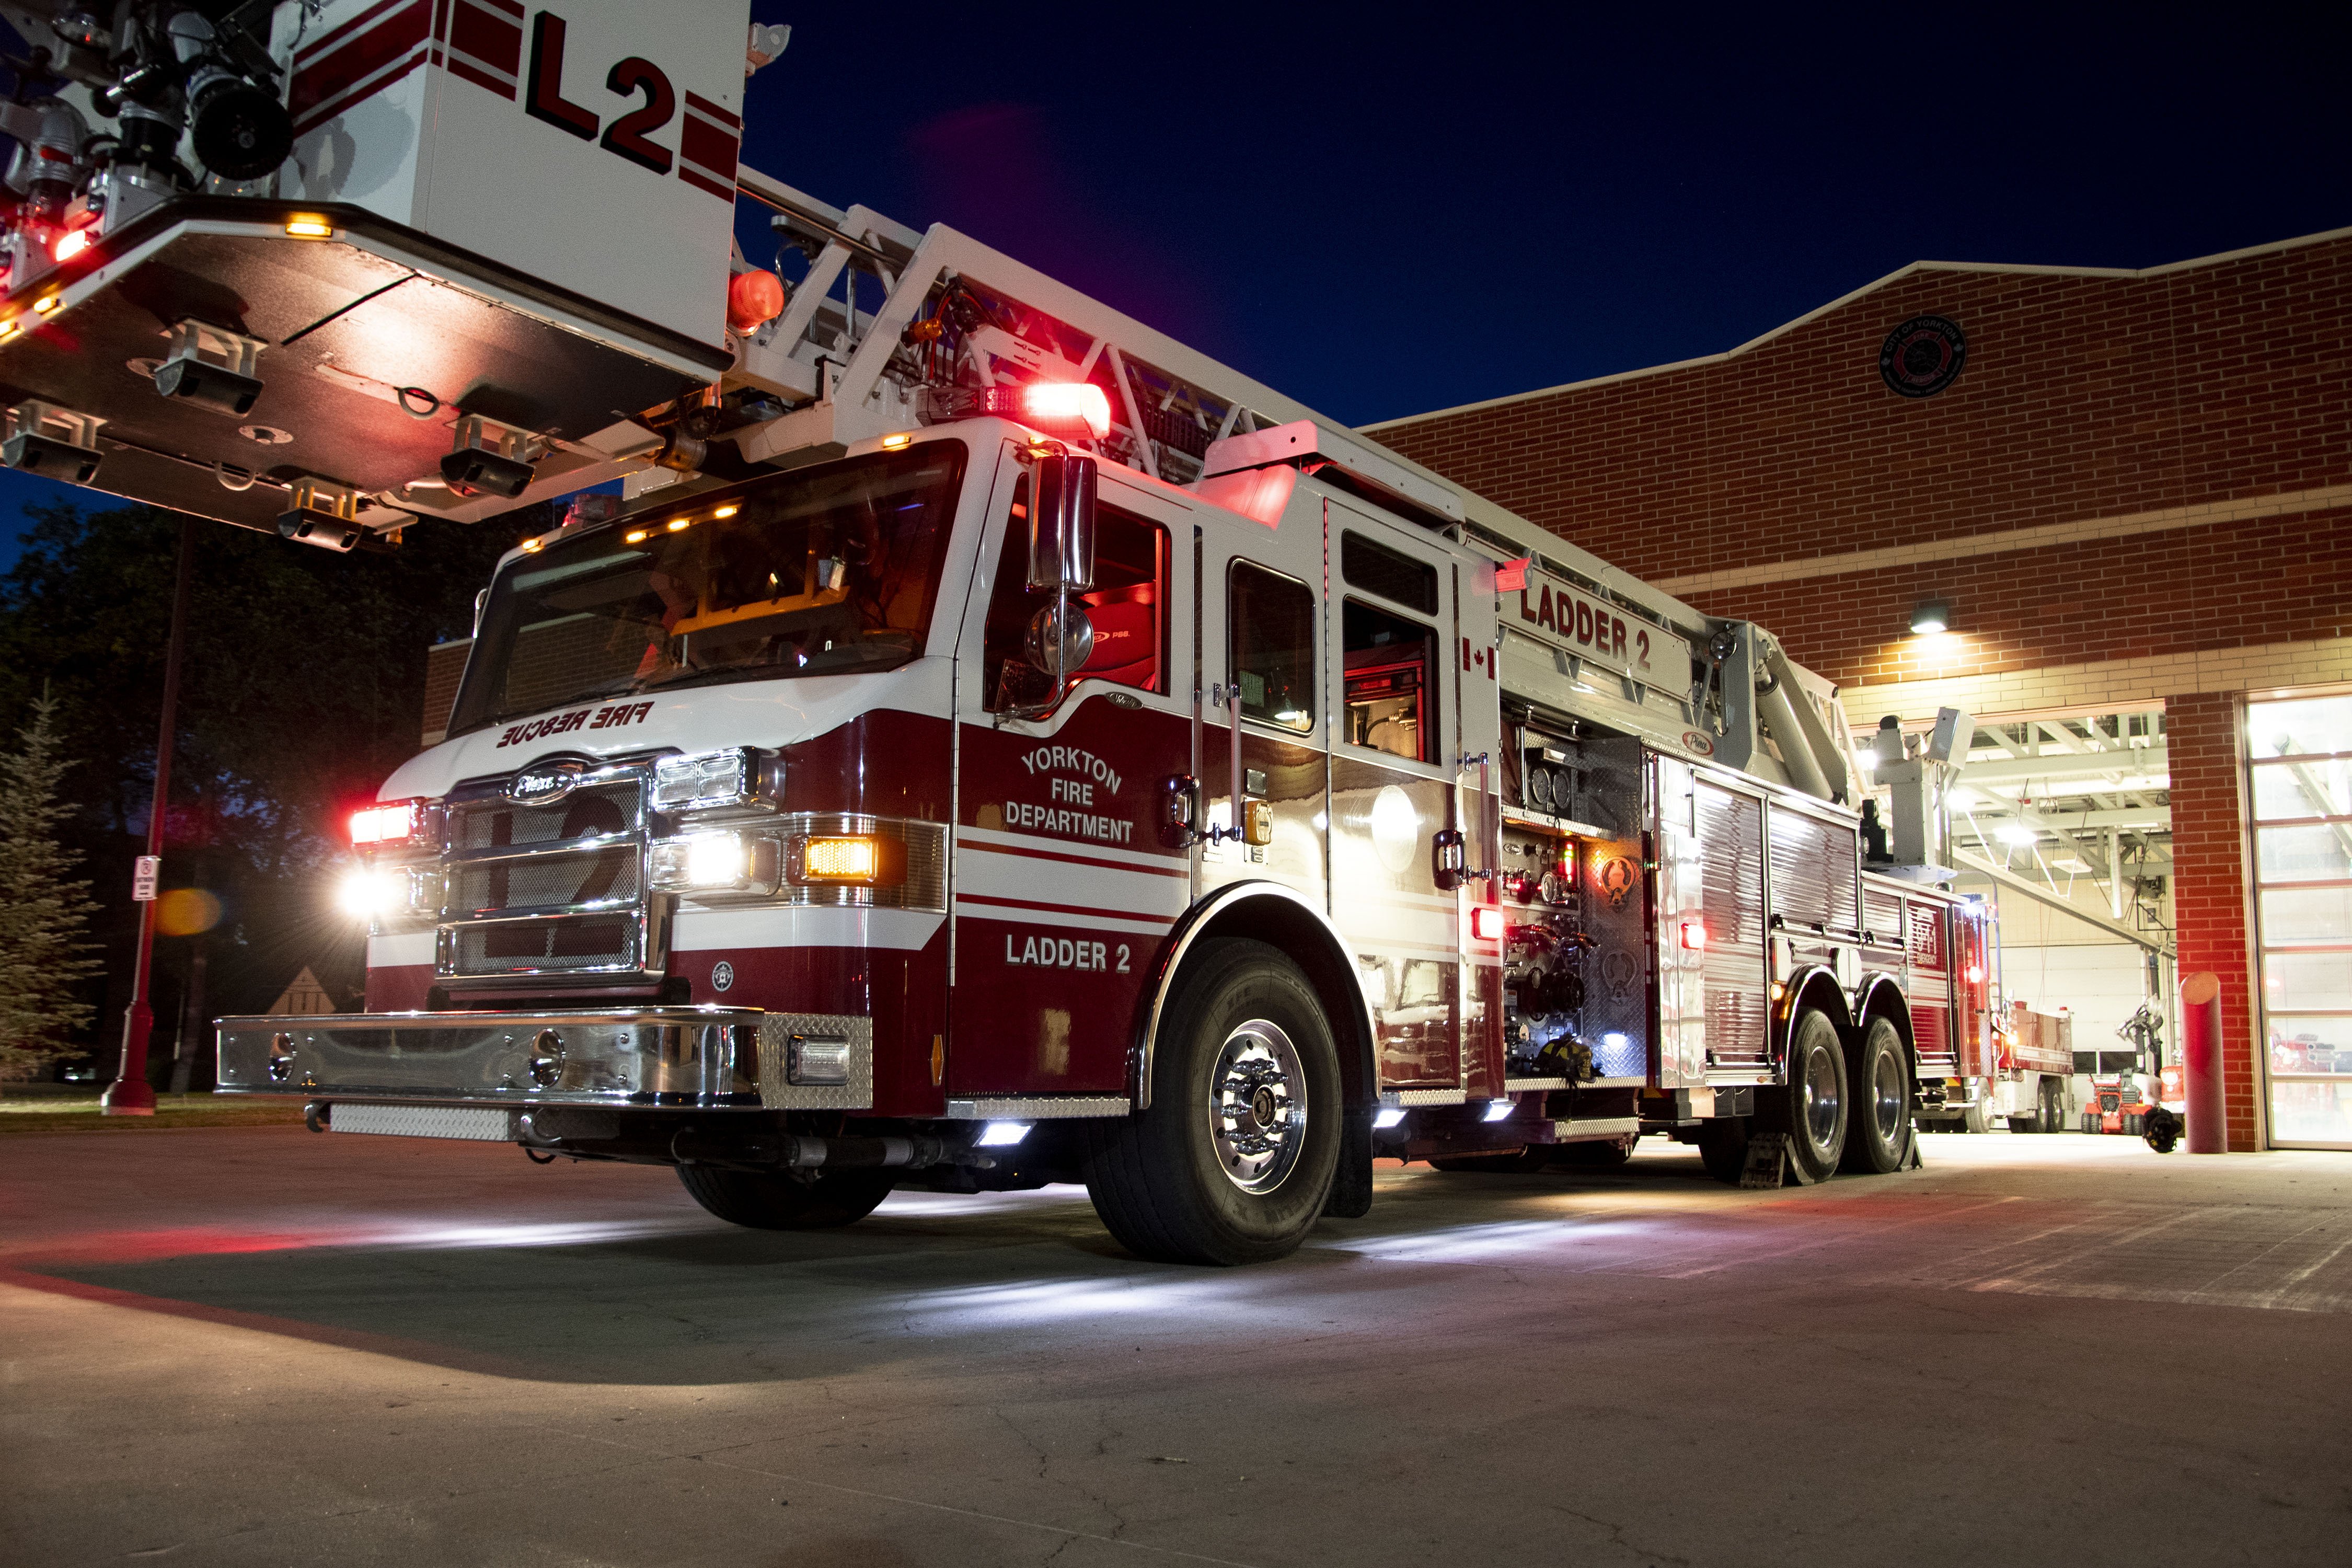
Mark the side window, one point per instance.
(1391, 681)
(1272, 622)
(1127, 608)
(1392, 574)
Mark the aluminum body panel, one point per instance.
(697, 1058)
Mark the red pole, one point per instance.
(2200, 1061)
(128, 1094)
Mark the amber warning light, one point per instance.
(863, 859)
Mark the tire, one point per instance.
(765, 1202)
(1879, 1140)
(2053, 1103)
(1236, 1155)
(1722, 1147)
(1813, 1108)
(1976, 1117)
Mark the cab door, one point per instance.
(1066, 883)
(1397, 702)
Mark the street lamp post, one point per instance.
(128, 1094)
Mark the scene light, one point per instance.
(1500, 1109)
(378, 826)
(1390, 1116)
(2015, 832)
(1003, 1135)
(310, 226)
(1931, 618)
(1487, 923)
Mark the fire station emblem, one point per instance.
(1922, 356)
(1616, 877)
(1618, 971)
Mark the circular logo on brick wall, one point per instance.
(1922, 356)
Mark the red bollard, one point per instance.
(2200, 1060)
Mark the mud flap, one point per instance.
(1352, 1183)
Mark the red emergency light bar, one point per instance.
(1078, 410)
(383, 827)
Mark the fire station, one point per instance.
(2109, 513)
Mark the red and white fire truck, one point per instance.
(992, 743)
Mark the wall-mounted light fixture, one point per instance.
(1931, 617)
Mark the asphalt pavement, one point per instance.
(259, 1345)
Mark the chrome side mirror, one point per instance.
(1062, 522)
(1063, 655)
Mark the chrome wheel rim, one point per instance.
(1821, 1097)
(1257, 1107)
(1888, 1096)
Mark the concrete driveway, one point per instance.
(245, 1346)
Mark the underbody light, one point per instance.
(307, 225)
(727, 511)
(1500, 1109)
(1390, 1116)
(1003, 1135)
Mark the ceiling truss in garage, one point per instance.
(2061, 797)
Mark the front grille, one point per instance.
(552, 886)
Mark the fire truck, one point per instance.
(987, 743)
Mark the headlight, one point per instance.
(714, 863)
(738, 776)
(382, 892)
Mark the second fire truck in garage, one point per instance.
(993, 744)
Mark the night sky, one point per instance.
(1388, 212)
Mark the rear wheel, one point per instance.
(767, 1202)
(1879, 1140)
(1813, 1108)
(2053, 1106)
(1234, 1159)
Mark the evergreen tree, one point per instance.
(43, 917)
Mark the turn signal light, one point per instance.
(304, 226)
(381, 826)
(850, 860)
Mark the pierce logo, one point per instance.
(542, 784)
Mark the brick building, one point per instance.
(2135, 497)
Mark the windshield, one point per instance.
(826, 571)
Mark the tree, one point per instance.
(44, 918)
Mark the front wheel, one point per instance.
(1813, 1108)
(1879, 1140)
(1234, 1159)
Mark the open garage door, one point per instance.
(2300, 767)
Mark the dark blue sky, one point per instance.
(1383, 211)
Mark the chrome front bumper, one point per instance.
(705, 1059)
